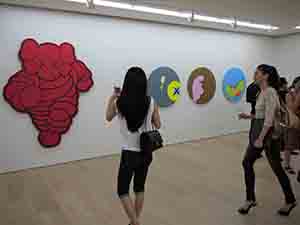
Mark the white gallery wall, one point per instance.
(109, 46)
(287, 56)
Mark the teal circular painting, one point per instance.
(234, 84)
(164, 86)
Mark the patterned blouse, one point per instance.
(268, 107)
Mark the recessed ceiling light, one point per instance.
(297, 27)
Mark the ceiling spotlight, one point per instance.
(234, 24)
(192, 17)
(90, 4)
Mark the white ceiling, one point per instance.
(282, 13)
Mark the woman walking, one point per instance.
(136, 112)
(263, 136)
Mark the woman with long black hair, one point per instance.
(264, 136)
(136, 113)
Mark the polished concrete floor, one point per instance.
(197, 183)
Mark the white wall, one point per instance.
(287, 57)
(109, 47)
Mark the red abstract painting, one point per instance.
(48, 87)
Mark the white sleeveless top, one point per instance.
(131, 141)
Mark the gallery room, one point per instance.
(167, 112)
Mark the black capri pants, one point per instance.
(133, 165)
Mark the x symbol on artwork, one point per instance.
(176, 91)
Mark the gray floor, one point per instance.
(197, 183)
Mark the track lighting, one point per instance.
(190, 16)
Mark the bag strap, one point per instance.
(284, 113)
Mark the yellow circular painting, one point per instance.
(174, 90)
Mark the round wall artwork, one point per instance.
(234, 84)
(164, 86)
(201, 85)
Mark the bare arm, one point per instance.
(290, 100)
(297, 100)
(264, 132)
(246, 116)
(293, 101)
(156, 117)
(111, 109)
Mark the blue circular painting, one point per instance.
(234, 84)
(164, 86)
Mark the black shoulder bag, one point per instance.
(150, 141)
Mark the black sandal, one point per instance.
(244, 210)
(294, 152)
(290, 170)
(286, 211)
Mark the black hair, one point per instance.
(295, 81)
(134, 102)
(273, 78)
(283, 81)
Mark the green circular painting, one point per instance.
(234, 84)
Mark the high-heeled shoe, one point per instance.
(287, 209)
(246, 208)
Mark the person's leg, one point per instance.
(287, 158)
(295, 152)
(298, 132)
(124, 179)
(297, 142)
(296, 149)
(273, 156)
(252, 154)
(139, 203)
(287, 161)
(128, 206)
(288, 149)
(139, 183)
